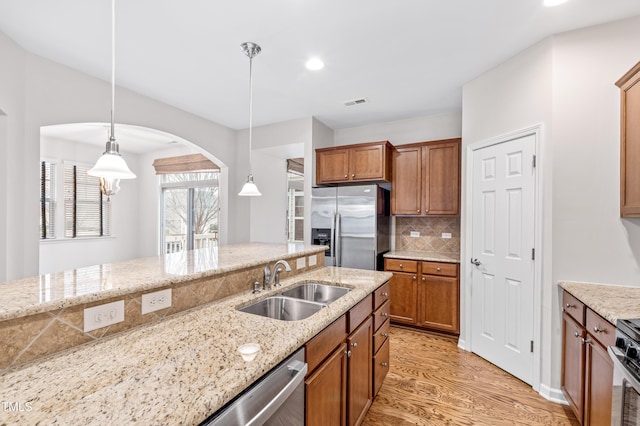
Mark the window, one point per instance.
(190, 210)
(47, 200)
(87, 213)
(295, 199)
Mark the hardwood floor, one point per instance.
(433, 382)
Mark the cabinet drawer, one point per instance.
(381, 295)
(573, 307)
(381, 315)
(601, 329)
(321, 346)
(359, 313)
(380, 366)
(381, 335)
(401, 265)
(442, 269)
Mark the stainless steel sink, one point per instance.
(283, 308)
(316, 292)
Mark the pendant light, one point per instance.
(111, 167)
(250, 189)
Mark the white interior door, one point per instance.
(502, 298)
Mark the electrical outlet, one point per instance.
(414, 234)
(155, 301)
(103, 315)
(313, 260)
(446, 235)
(301, 262)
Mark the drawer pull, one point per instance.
(384, 364)
(384, 314)
(585, 340)
(598, 329)
(418, 210)
(354, 345)
(438, 269)
(569, 305)
(385, 335)
(346, 176)
(353, 175)
(385, 294)
(576, 334)
(401, 266)
(414, 277)
(348, 353)
(424, 278)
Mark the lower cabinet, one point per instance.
(347, 363)
(425, 294)
(587, 370)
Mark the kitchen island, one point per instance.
(177, 370)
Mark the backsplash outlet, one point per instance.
(430, 230)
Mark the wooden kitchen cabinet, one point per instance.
(629, 86)
(326, 391)
(381, 325)
(428, 296)
(426, 179)
(354, 163)
(587, 369)
(359, 372)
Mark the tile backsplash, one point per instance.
(430, 229)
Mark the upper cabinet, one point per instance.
(426, 179)
(630, 143)
(354, 163)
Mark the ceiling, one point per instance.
(407, 57)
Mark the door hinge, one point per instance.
(533, 254)
(532, 346)
(534, 161)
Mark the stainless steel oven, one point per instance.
(625, 404)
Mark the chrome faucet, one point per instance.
(273, 276)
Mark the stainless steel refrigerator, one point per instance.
(354, 222)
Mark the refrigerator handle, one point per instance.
(338, 242)
(332, 244)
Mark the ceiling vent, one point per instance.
(356, 102)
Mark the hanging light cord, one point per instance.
(113, 69)
(250, 110)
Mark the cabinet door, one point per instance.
(439, 302)
(403, 294)
(441, 179)
(367, 163)
(380, 367)
(406, 179)
(629, 86)
(325, 391)
(573, 359)
(332, 166)
(360, 375)
(599, 380)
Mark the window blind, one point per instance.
(47, 200)
(87, 213)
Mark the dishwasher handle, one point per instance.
(298, 370)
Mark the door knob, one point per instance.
(476, 262)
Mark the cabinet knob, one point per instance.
(598, 329)
(576, 334)
(426, 211)
(346, 176)
(385, 335)
(385, 294)
(438, 269)
(354, 345)
(585, 340)
(384, 314)
(414, 277)
(348, 353)
(569, 305)
(424, 278)
(384, 364)
(353, 175)
(418, 210)
(401, 266)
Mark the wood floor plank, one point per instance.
(433, 382)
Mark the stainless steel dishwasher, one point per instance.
(275, 399)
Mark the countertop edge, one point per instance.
(610, 301)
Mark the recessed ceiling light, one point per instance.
(551, 3)
(314, 64)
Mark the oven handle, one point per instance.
(616, 356)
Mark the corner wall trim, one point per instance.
(553, 395)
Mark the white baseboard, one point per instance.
(462, 344)
(553, 395)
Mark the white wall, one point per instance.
(322, 137)
(419, 129)
(566, 83)
(36, 92)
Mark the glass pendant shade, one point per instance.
(111, 166)
(250, 189)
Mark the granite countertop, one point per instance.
(177, 371)
(47, 292)
(424, 255)
(611, 302)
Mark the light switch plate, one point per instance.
(313, 260)
(301, 262)
(415, 234)
(103, 315)
(446, 235)
(155, 301)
